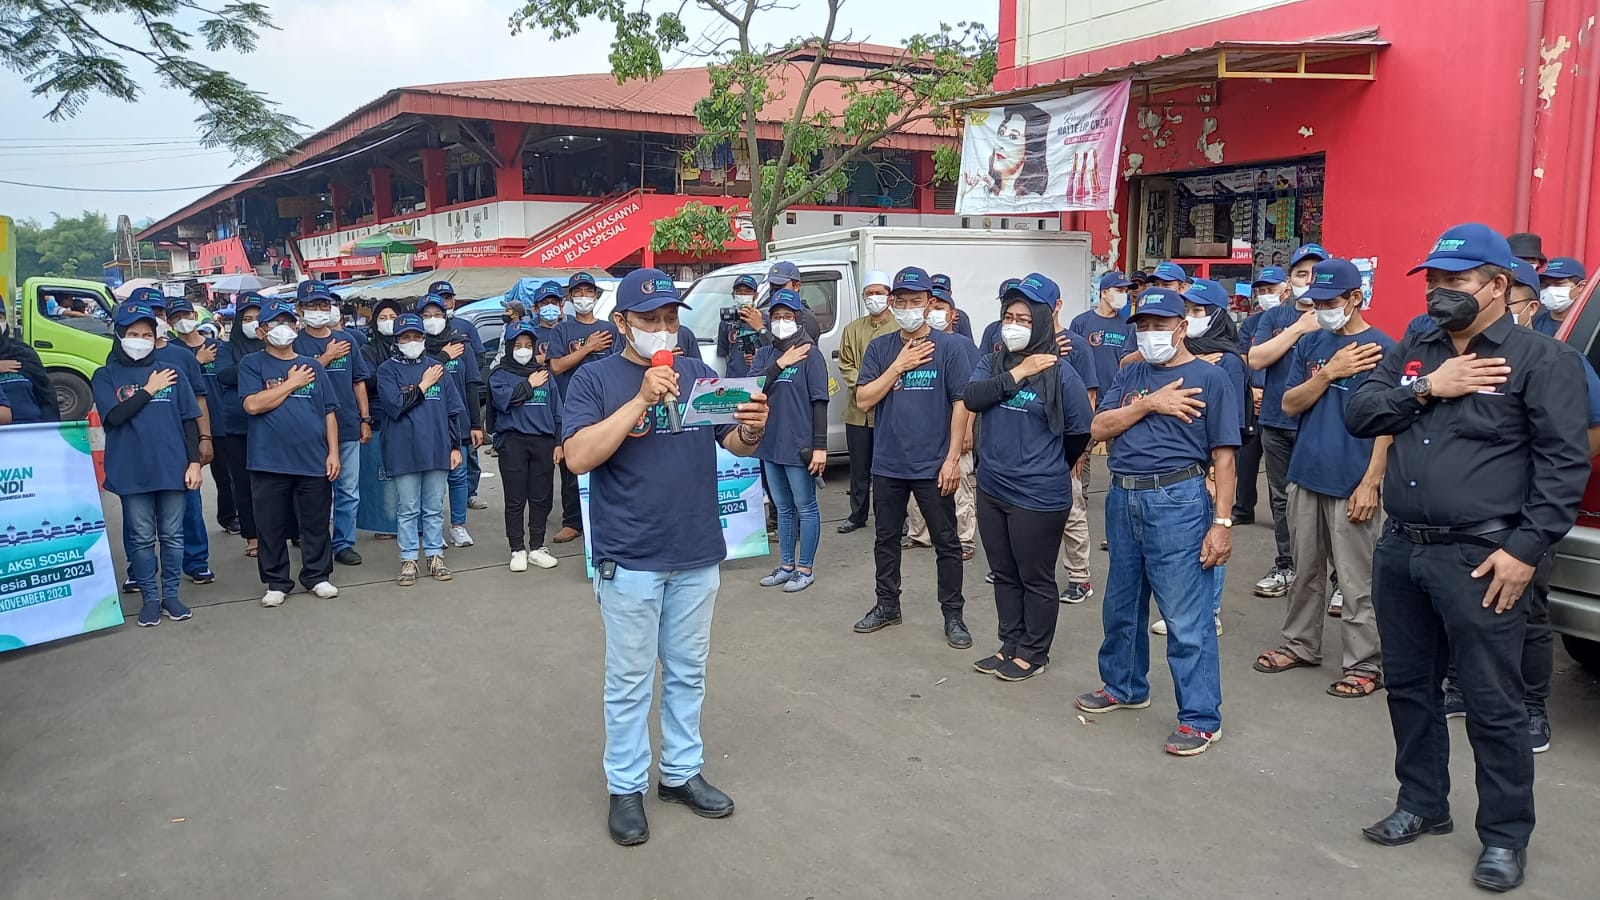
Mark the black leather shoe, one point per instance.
(1400, 828)
(347, 557)
(877, 619)
(627, 821)
(697, 794)
(1499, 869)
(848, 526)
(955, 632)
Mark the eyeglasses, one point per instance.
(1017, 319)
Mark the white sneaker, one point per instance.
(272, 598)
(1159, 626)
(519, 560)
(459, 536)
(325, 590)
(1336, 604)
(542, 558)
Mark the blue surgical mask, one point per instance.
(549, 313)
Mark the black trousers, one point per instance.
(890, 496)
(1539, 644)
(527, 464)
(281, 501)
(232, 450)
(227, 511)
(1249, 471)
(1277, 446)
(858, 441)
(1430, 612)
(1021, 545)
(571, 513)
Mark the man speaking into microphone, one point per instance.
(656, 538)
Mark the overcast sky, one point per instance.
(330, 57)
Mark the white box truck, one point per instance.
(833, 264)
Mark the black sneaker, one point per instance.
(1539, 731)
(956, 634)
(129, 586)
(1455, 706)
(347, 557)
(877, 619)
(1013, 672)
(1077, 592)
(231, 526)
(989, 664)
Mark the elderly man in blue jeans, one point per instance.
(656, 536)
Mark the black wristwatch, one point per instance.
(367, 420)
(1422, 387)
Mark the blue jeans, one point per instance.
(148, 520)
(459, 491)
(474, 470)
(1155, 540)
(650, 616)
(346, 495)
(794, 494)
(196, 546)
(419, 502)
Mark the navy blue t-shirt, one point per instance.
(146, 453)
(182, 358)
(789, 397)
(1158, 444)
(1239, 379)
(19, 395)
(291, 439)
(538, 414)
(1272, 323)
(912, 423)
(463, 370)
(1593, 381)
(1023, 462)
(653, 505)
(688, 344)
(1327, 458)
(543, 339)
(419, 439)
(1079, 356)
(234, 419)
(210, 387)
(1109, 341)
(1544, 323)
(343, 374)
(570, 335)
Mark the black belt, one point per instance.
(1149, 482)
(1478, 534)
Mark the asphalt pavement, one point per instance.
(444, 741)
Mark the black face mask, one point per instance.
(1452, 310)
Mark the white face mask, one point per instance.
(252, 330)
(186, 326)
(162, 329)
(1268, 301)
(1157, 346)
(386, 327)
(1015, 337)
(318, 318)
(647, 343)
(783, 329)
(1118, 299)
(523, 355)
(1556, 297)
(138, 348)
(1332, 319)
(938, 319)
(1199, 324)
(361, 321)
(876, 303)
(282, 335)
(411, 349)
(910, 319)
(433, 326)
(743, 300)
(1299, 290)
(584, 305)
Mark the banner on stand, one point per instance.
(1057, 155)
(56, 574)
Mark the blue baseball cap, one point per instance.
(941, 280)
(442, 288)
(1466, 247)
(910, 278)
(131, 311)
(1526, 275)
(148, 296)
(408, 322)
(1007, 286)
(1157, 301)
(1564, 267)
(749, 281)
(517, 329)
(179, 305)
(1206, 292)
(579, 278)
(1113, 280)
(784, 272)
(549, 289)
(643, 290)
(304, 288)
(1271, 275)
(431, 300)
(1036, 288)
(249, 299)
(943, 293)
(322, 296)
(1333, 278)
(1306, 251)
(1170, 271)
(278, 308)
(787, 298)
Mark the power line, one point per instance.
(117, 162)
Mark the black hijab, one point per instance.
(44, 396)
(509, 364)
(435, 343)
(1047, 384)
(380, 347)
(1221, 337)
(237, 340)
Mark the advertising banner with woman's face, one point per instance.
(1044, 156)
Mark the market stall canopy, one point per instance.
(470, 283)
(384, 243)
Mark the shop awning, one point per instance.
(1347, 58)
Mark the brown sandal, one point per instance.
(1280, 660)
(1352, 686)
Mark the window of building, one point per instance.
(1253, 216)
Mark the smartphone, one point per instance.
(607, 569)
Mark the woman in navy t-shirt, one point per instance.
(152, 426)
(233, 440)
(795, 447)
(527, 407)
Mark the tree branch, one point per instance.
(798, 114)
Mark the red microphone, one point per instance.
(674, 418)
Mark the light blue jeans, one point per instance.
(419, 502)
(346, 495)
(650, 616)
(794, 494)
(151, 520)
(459, 491)
(196, 545)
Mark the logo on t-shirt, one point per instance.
(1413, 371)
(917, 380)
(1117, 339)
(128, 390)
(1130, 399)
(304, 390)
(1020, 399)
(434, 392)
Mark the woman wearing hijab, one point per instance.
(527, 408)
(453, 350)
(425, 424)
(152, 429)
(795, 447)
(233, 440)
(1035, 425)
(23, 379)
(377, 512)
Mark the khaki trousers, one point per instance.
(1320, 532)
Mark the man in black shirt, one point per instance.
(1488, 465)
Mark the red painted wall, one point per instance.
(1431, 142)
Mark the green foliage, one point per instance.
(66, 50)
(698, 229)
(66, 248)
